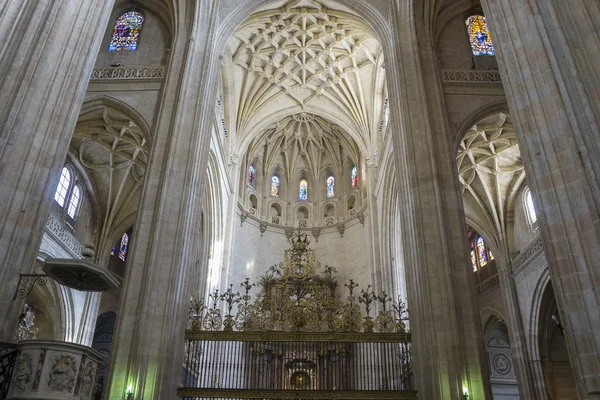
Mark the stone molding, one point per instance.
(57, 231)
(527, 254)
(464, 76)
(488, 284)
(128, 73)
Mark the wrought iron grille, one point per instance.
(280, 365)
(8, 356)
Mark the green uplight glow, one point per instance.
(129, 390)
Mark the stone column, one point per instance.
(164, 261)
(47, 54)
(547, 52)
(447, 336)
(526, 381)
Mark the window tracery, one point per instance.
(126, 32)
(479, 36)
(330, 186)
(74, 202)
(303, 190)
(63, 187)
(529, 207)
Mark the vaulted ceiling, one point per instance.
(491, 174)
(304, 57)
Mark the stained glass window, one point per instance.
(479, 36)
(483, 260)
(74, 202)
(529, 208)
(63, 187)
(354, 178)
(473, 260)
(126, 32)
(490, 255)
(123, 246)
(303, 195)
(330, 185)
(252, 176)
(275, 186)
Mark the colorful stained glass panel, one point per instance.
(354, 178)
(275, 186)
(473, 261)
(303, 193)
(479, 36)
(251, 176)
(126, 32)
(483, 260)
(123, 246)
(330, 185)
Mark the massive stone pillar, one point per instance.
(47, 54)
(447, 336)
(163, 264)
(547, 52)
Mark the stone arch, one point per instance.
(483, 112)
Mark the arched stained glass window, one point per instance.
(63, 187)
(126, 32)
(74, 202)
(354, 178)
(473, 260)
(481, 252)
(529, 208)
(123, 246)
(479, 36)
(303, 192)
(252, 176)
(330, 185)
(275, 186)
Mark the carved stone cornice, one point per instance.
(488, 284)
(294, 394)
(56, 229)
(128, 73)
(532, 250)
(466, 76)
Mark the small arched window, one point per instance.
(473, 260)
(63, 187)
(479, 36)
(74, 202)
(481, 252)
(126, 32)
(303, 191)
(354, 178)
(275, 186)
(529, 207)
(252, 176)
(330, 186)
(123, 246)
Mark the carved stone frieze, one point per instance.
(58, 231)
(460, 76)
(128, 73)
(488, 284)
(527, 254)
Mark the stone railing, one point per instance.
(57, 230)
(488, 284)
(128, 73)
(528, 253)
(462, 76)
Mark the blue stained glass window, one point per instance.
(354, 178)
(126, 32)
(123, 246)
(483, 260)
(479, 36)
(303, 195)
(330, 185)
